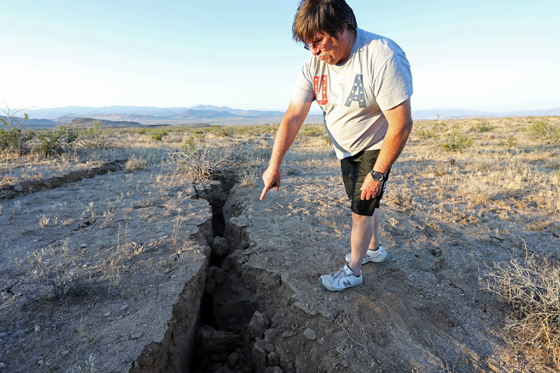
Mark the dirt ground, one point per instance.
(154, 271)
(95, 272)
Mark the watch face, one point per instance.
(377, 176)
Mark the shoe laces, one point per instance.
(340, 273)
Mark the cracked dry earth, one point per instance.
(148, 272)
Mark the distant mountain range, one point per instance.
(89, 122)
(223, 115)
(450, 113)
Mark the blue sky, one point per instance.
(482, 55)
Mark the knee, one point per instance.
(360, 218)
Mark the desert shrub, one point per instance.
(532, 288)
(430, 130)
(207, 162)
(312, 131)
(134, 164)
(95, 138)
(545, 131)
(454, 141)
(327, 139)
(199, 134)
(220, 131)
(158, 135)
(424, 132)
(49, 142)
(13, 133)
(511, 142)
(483, 126)
(15, 138)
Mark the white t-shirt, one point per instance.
(375, 77)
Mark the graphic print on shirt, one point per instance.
(357, 93)
(323, 100)
(338, 93)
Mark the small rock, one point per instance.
(107, 314)
(233, 359)
(83, 246)
(2, 365)
(273, 359)
(288, 334)
(321, 341)
(271, 334)
(309, 334)
(18, 188)
(40, 362)
(3, 334)
(64, 353)
(136, 335)
(37, 328)
(257, 325)
(220, 246)
(124, 307)
(259, 358)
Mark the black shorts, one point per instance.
(354, 171)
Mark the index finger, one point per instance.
(265, 190)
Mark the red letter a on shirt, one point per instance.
(323, 100)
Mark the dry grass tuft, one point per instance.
(532, 287)
(135, 163)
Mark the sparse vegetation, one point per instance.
(134, 163)
(454, 176)
(545, 131)
(454, 141)
(532, 288)
(158, 135)
(483, 126)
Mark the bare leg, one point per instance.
(374, 244)
(361, 237)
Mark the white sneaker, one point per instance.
(343, 279)
(376, 256)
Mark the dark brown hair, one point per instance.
(328, 16)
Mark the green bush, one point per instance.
(454, 141)
(431, 130)
(49, 142)
(14, 136)
(158, 135)
(189, 146)
(484, 126)
(545, 131)
(425, 133)
(220, 131)
(510, 143)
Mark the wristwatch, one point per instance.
(377, 176)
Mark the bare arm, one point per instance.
(287, 131)
(400, 125)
